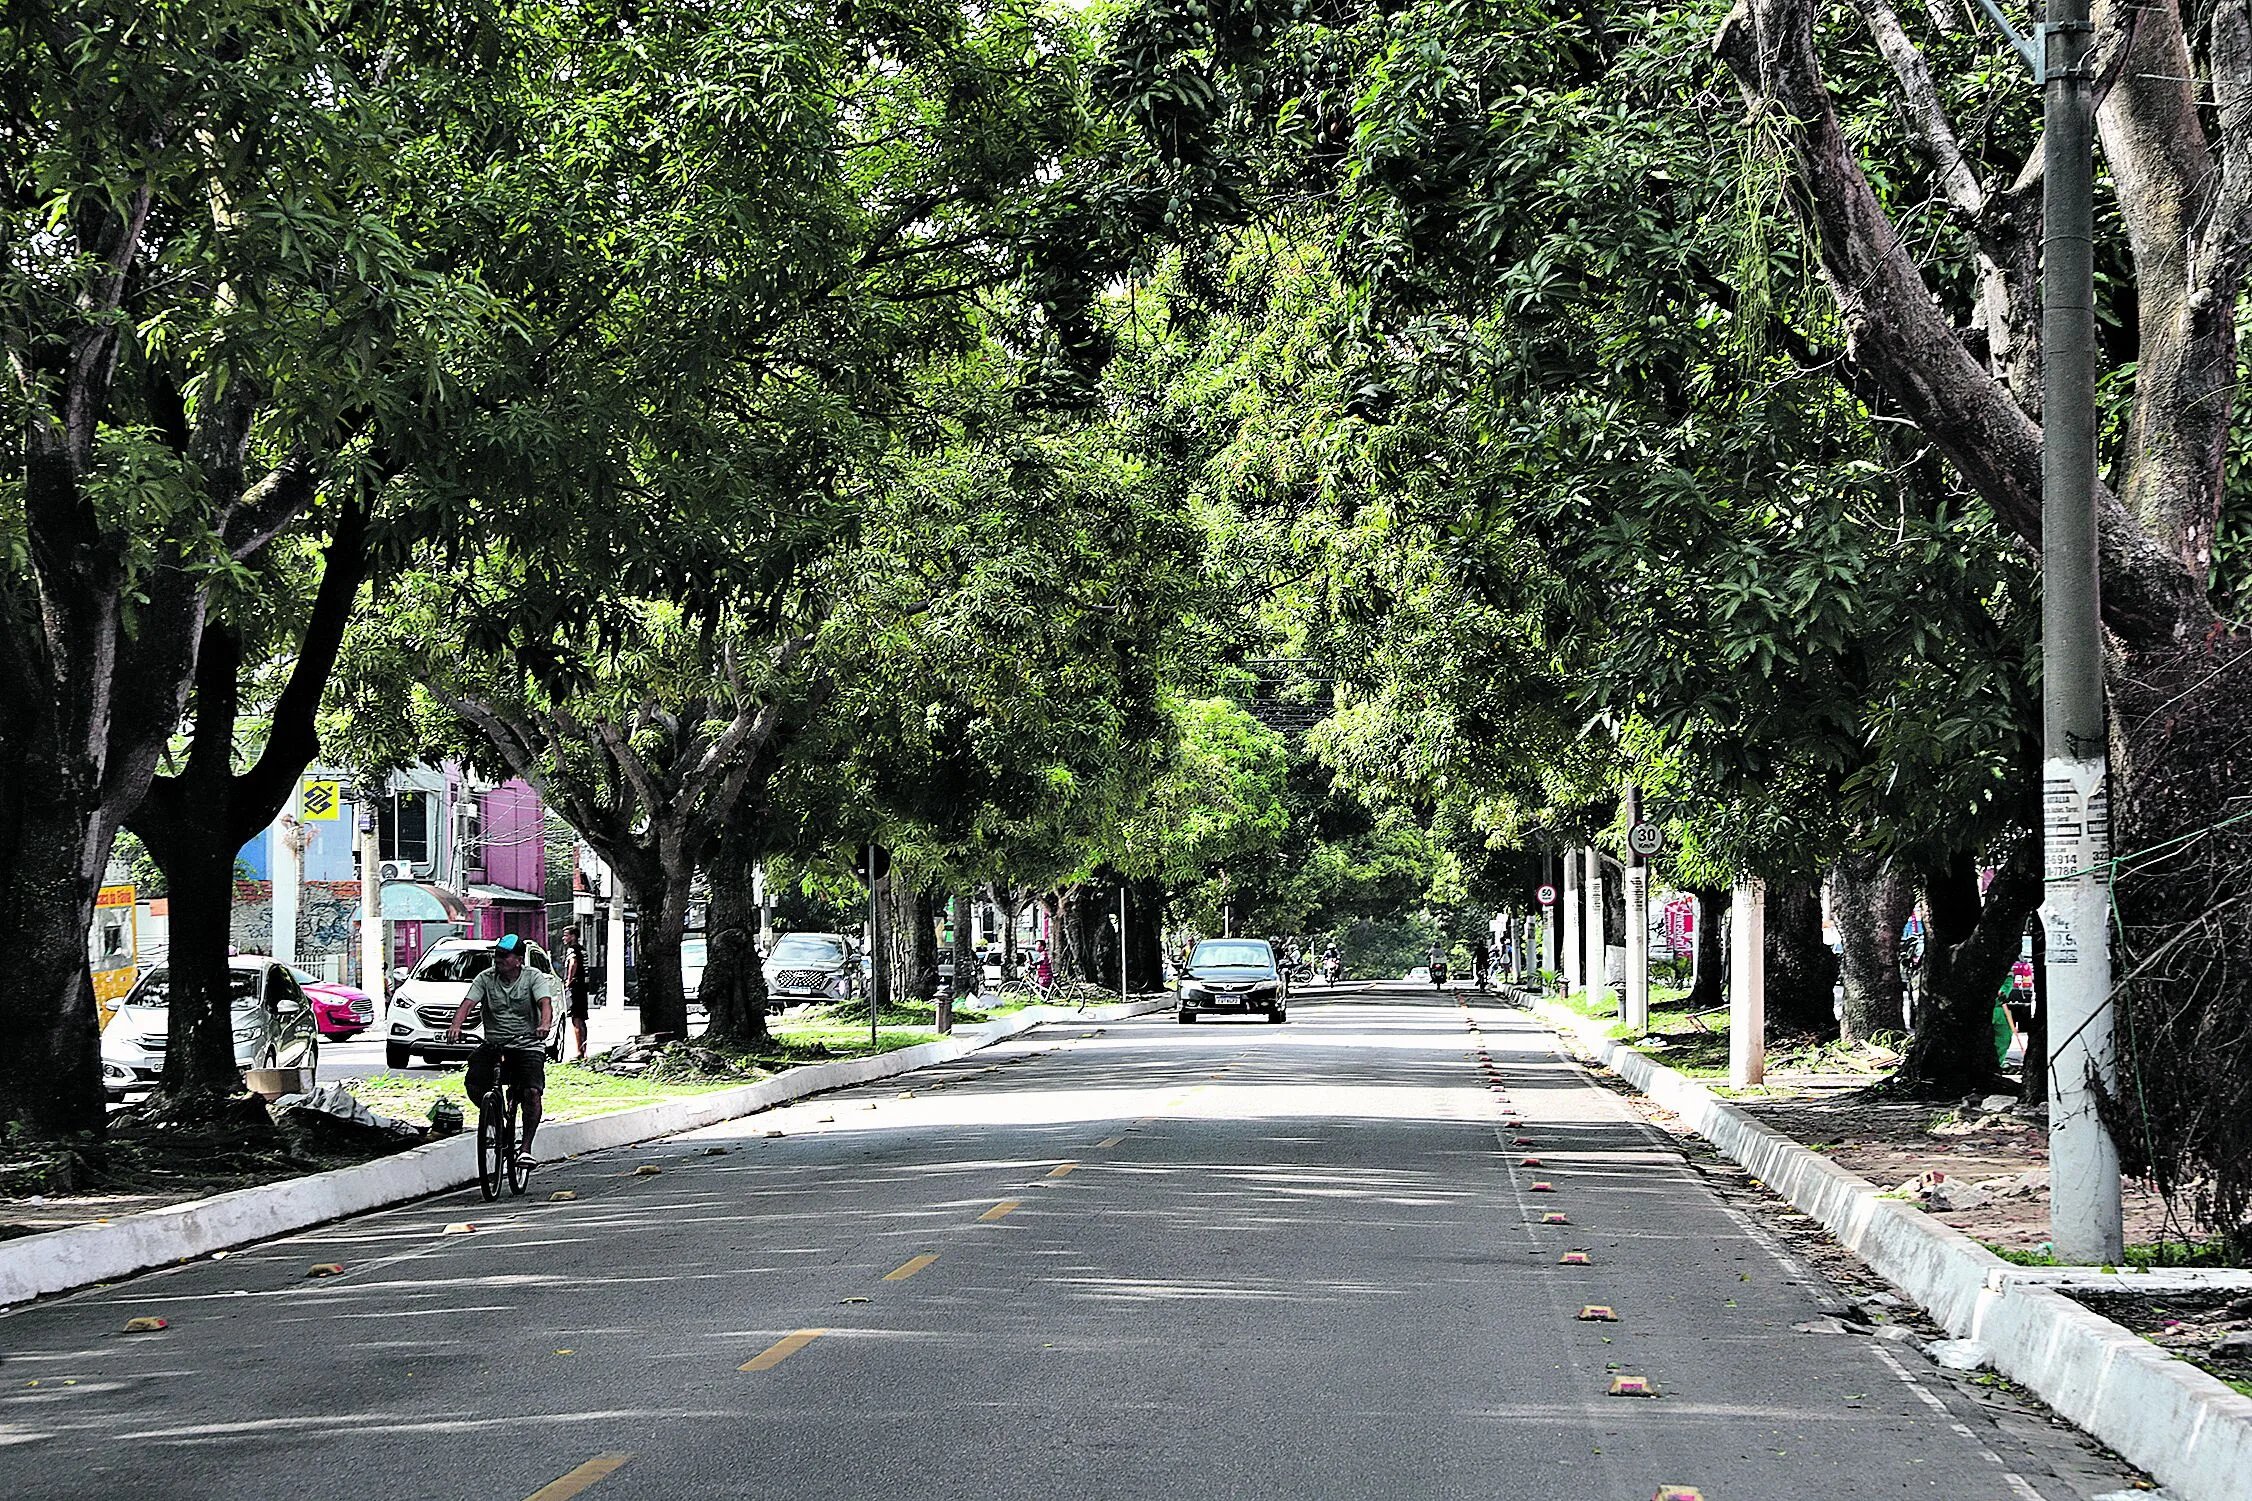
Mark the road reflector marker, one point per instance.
(1597, 1313)
(1062, 1169)
(146, 1325)
(781, 1350)
(646, 1170)
(1678, 1493)
(1574, 1258)
(579, 1479)
(1520, 1141)
(1528, 1162)
(1000, 1209)
(910, 1267)
(1542, 1187)
(562, 1196)
(325, 1269)
(1553, 1218)
(854, 1299)
(1632, 1386)
(463, 1228)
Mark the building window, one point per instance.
(404, 832)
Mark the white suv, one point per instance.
(422, 1007)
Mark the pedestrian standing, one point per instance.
(1043, 972)
(576, 982)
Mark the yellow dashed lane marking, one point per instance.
(1062, 1169)
(1000, 1209)
(911, 1267)
(1110, 1142)
(781, 1350)
(580, 1478)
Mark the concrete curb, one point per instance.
(2191, 1431)
(56, 1261)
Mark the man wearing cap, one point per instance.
(518, 1006)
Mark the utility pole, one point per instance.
(1747, 986)
(1574, 948)
(1591, 925)
(1634, 1006)
(375, 953)
(2084, 1212)
(287, 862)
(875, 948)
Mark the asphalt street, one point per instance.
(1136, 1260)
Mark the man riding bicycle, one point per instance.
(518, 1007)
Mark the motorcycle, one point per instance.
(1332, 970)
(1438, 976)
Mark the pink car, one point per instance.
(340, 1012)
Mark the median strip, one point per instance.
(580, 1478)
(781, 1350)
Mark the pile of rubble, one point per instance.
(331, 1119)
(654, 1058)
(1941, 1194)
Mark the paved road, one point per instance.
(1139, 1261)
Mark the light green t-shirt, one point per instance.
(511, 1009)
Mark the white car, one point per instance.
(423, 1005)
(272, 1016)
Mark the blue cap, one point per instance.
(509, 943)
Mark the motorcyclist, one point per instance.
(1332, 964)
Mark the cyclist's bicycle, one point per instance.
(500, 1117)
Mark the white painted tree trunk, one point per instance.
(1747, 986)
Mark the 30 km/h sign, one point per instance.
(321, 802)
(1547, 895)
(1646, 839)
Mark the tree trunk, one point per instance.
(1011, 903)
(1065, 951)
(1871, 902)
(1801, 970)
(50, 1074)
(910, 923)
(1145, 938)
(969, 968)
(660, 895)
(734, 985)
(1708, 990)
(1968, 952)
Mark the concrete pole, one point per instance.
(1574, 949)
(614, 943)
(1591, 925)
(1747, 986)
(375, 949)
(287, 861)
(1122, 941)
(2084, 1211)
(1635, 1008)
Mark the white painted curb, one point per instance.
(2191, 1431)
(35, 1265)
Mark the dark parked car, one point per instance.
(809, 967)
(1234, 974)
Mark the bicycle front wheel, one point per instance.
(488, 1150)
(519, 1167)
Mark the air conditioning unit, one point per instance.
(394, 870)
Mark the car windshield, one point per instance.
(155, 988)
(1226, 955)
(800, 948)
(458, 966)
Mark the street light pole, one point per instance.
(2084, 1212)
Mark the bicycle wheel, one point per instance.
(489, 1124)
(519, 1170)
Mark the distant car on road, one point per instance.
(1234, 974)
(422, 1008)
(340, 1012)
(809, 967)
(273, 1024)
(1421, 974)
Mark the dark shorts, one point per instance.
(526, 1069)
(578, 1005)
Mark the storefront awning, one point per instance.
(503, 896)
(422, 901)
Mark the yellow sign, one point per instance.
(321, 802)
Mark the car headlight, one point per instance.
(246, 1034)
(1194, 992)
(1268, 988)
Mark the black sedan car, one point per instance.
(1234, 974)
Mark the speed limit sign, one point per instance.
(1645, 839)
(1547, 895)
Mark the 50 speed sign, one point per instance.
(1547, 895)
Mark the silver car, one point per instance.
(273, 1024)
